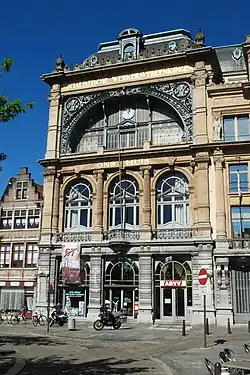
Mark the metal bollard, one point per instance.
(207, 327)
(248, 326)
(217, 368)
(183, 327)
(72, 324)
(229, 331)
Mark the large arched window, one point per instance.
(124, 204)
(78, 207)
(122, 273)
(172, 201)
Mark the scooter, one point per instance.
(58, 318)
(107, 319)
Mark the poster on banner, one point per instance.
(71, 263)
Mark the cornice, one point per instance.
(226, 88)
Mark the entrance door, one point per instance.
(126, 299)
(173, 302)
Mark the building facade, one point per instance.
(20, 214)
(146, 180)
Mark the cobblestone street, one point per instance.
(134, 349)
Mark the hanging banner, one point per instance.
(71, 263)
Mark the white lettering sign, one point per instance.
(173, 283)
(140, 76)
(125, 163)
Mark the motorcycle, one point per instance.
(58, 318)
(107, 319)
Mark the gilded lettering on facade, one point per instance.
(140, 76)
(125, 163)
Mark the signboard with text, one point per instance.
(71, 263)
(173, 283)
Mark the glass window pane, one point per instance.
(229, 133)
(167, 214)
(83, 218)
(117, 215)
(243, 128)
(129, 212)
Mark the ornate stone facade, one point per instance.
(146, 169)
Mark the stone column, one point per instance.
(220, 197)
(145, 289)
(146, 207)
(223, 303)
(200, 103)
(98, 224)
(48, 188)
(54, 118)
(201, 185)
(55, 213)
(95, 286)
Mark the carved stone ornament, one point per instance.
(217, 127)
(177, 95)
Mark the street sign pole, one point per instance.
(205, 321)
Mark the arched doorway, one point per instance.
(121, 287)
(173, 290)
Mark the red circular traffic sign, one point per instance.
(203, 276)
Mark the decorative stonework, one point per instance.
(178, 95)
(73, 237)
(217, 127)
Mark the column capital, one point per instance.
(98, 173)
(145, 169)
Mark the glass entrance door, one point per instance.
(126, 299)
(173, 302)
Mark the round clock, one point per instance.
(128, 113)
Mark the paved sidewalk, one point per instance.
(134, 349)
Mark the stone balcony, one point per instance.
(73, 237)
(178, 234)
(239, 243)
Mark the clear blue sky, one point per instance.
(34, 33)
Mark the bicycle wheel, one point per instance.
(42, 320)
(1, 320)
(14, 319)
(35, 320)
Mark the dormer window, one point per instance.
(129, 51)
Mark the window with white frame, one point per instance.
(22, 190)
(4, 255)
(173, 201)
(124, 204)
(31, 255)
(6, 219)
(17, 255)
(33, 218)
(238, 178)
(236, 128)
(20, 219)
(78, 207)
(240, 216)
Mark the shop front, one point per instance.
(240, 279)
(121, 287)
(76, 301)
(173, 290)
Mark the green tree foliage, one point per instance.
(9, 109)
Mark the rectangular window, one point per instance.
(6, 219)
(17, 256)
(19, 219)
(142, 136)
(238, 178)
(5, 255)
(112, 140)
(33, 218)
(236, 128)
(31, 255)
(240, 216)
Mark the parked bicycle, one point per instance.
(5, 316)
(17, 318)
(39, 319)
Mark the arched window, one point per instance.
(128, 51)
(124, 204)
(122, 273)
(78, 207)
(172, 201)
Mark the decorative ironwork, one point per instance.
(123, 235)
(177, 94)
(73, 237)
(240, 244)
(173, 234)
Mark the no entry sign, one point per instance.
(203, 276)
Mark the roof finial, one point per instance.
(60, 64)
(200, 39)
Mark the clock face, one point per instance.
(181, 90)
(73, 105)
(128, 113)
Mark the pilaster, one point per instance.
(54, 119)
(146, 208)
(200, 103)
(48, 188)
(98, 225)
(95, 286)
(55, 212)
(220, 196)
(145, 289)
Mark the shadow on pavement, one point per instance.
(55, 365)
(27, 340)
